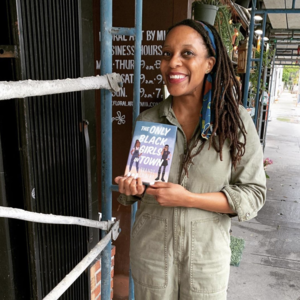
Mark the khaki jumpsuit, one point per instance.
(184, 253)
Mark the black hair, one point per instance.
(226, 98)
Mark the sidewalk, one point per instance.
(270, 265)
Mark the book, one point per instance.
(151, 152)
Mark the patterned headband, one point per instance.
(211, 37)
(207, 116)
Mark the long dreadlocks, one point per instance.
(225, 100)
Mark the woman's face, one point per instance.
(184, 62)
(137, 143)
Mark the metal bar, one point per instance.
(259, 69)
(278, 11)
(284, 30)
(285, 38)
(285, 65)
(29, 88)
(262, 104)
(136, 100)
(250, 41)
(293, 5)
(287, 43)
(122, 31)
(255, 59)
(83, 265)
(288, 59)
(20, 214)
(285, 55)
(106, 141)
(115, 188)
(270, 95)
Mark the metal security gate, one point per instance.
(53, 145)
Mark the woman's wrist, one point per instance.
(190, 199)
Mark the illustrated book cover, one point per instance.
(151, 151)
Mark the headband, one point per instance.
(207, 115)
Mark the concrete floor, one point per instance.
(270, 265)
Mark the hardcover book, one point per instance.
(151, 151)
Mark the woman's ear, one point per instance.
(210, 63)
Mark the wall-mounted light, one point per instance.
(258, 18)
(235, 48)
(266, 38)
(258, 31)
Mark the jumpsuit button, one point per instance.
(247, 215)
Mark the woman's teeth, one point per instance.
(177, 76)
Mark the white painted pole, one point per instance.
(29, 88)
(15, 213)
(81, 267)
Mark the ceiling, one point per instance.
(286, 30)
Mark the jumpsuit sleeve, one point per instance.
(122, 198)
(246, 192)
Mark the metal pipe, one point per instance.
(293, 5)
(106, 141)
(250, 41)
(83, 265)
(136, 99)
(278, 11)
(123, 31)
(29, 88)
(259, 69)
(20, 214)
(269, 104)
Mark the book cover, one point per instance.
(151, 151)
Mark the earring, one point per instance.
(207, 71)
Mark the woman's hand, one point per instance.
(130, 185)
(169, 194)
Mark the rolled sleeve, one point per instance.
(246, 192)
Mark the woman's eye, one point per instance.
(188, 53)
(166, 53)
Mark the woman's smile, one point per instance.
(174, 78)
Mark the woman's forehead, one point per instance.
(184, 35)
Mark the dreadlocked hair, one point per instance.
(226, 98)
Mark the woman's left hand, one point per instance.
(168, 194)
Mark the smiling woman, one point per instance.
(180, 239)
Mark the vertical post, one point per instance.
(250, 41)
(293, 5)
(270, 94)
(259, 68)
(106, 141)
(136, 99)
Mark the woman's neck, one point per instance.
(187, 111)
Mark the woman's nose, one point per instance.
(175, 61)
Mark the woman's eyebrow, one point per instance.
(185, 45)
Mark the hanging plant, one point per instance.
(230, 33)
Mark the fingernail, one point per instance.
(136, 176)
(151, 183)
(128, 174)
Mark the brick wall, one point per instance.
(95, 273)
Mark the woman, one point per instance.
(180, 242)
(165, 156)
(135, 152)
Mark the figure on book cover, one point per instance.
(135, 152)
(165, 156)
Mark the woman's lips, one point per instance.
(176, 78)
